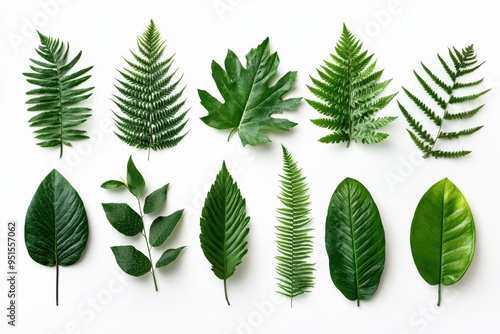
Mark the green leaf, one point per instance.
(443, 235)
(112, 184)
(349, 91)
(56, 225)
(135, 181)
(56, 95)
(155, 200)
(162, 227)
(249, 99)
(295, 271)
(123, 218)
(224, 227)
(169, 256)
(131, 261)
(463, 63)
(153, 113)
(355, 241)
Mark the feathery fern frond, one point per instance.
(349, 89)
(150, 101)
(464, 62)
(293, 239)
(57, 95)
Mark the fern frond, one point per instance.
(464, 62)
(295, 272)
(449, 154)
(349, 91)
(153, 114)
(57, 96)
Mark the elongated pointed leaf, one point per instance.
(162, 227)
(135, 181)
(56, 227)
(131, 261)
(224, 226)
(294, 268)
(169, 256)
(249, 100)
(443, 235)
(123, 218)
(355, 241)
(155, 200)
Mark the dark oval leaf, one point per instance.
(169, 256)
(56, 227)
(162, 227)
(355, 241)
(123, 218)
(131, 261)
(443, 235)
(135, 181)
(155, 200)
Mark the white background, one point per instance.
(95, 297)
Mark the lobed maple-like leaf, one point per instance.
(249, 99)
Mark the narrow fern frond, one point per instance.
(463, 114)
(57, 95)
(153, 115)
(294, 242)
(422, 106)
(464, 62)
(457, 134)
(449, 154)
(349, 88)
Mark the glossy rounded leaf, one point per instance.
(443, 235)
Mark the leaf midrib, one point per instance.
(244, 109)
(353, 244)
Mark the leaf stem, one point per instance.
(439, 295)
(225, 292)
(57, 283)
(231, 133)
(148, 246)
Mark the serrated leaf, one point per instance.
(155, 200)
(123, 218)
(135, 181)
(294, 242)
(348, 89)
(249, 100)
(56, 226)
(162, 227)
(131, 261)
(112, 184)
(169, 256)
(355, 241)
(443, 235)
(224, 227)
